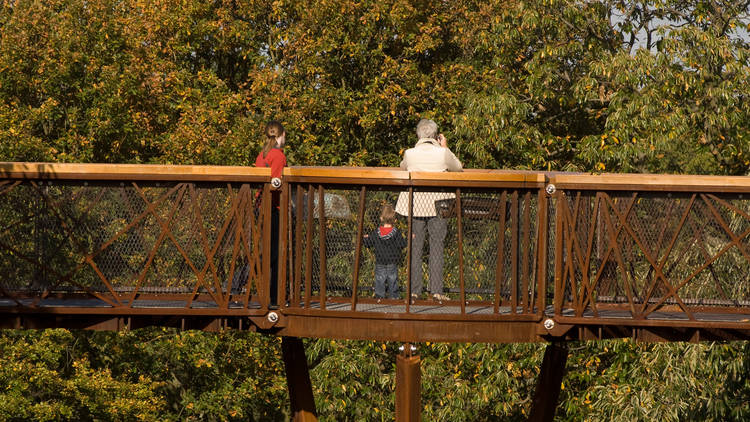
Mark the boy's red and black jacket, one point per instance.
(386, 245)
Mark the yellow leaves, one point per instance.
(203, 362)
(600, 166)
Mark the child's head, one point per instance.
(387, 214)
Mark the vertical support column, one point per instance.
(408, 385)
(549, 382)
(298, 380)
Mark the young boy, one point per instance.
(386, 242)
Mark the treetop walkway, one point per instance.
(529, 256)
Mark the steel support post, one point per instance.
(408, 385)
(549, 382)
(298, 380)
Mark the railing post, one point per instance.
(322, 251)
(542, 232)
(298, 249)
(308, 245)
(409, 252)
(358, 247)
(284, 245)
(558, 295)
(461, 280)
(265, 292)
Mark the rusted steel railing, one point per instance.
(519, 247)
(493, 264)
(656, 250)
(126, 238)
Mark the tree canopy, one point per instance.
(610, 85)
(622, 86)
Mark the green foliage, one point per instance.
(162, 374)
(149, 375)
(652, 86)
(614, 85)
(625, 381)
(44, 377)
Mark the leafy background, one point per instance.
(618, 86)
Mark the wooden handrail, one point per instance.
(383, 175)
(651, 182)
(156, 172)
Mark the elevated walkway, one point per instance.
(529, 256)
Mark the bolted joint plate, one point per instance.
(273, 319)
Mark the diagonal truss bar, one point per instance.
(162, 235)
(7, 189)
(573, 248)
(723, 224)
(61, 277)
(253, 259)
(709, 262)
(700, 240)
(201, 275)
(206, 249)
(658, 273)
(614, 233)
(668, 252)
(236, 244)
(241, 241)
(52, 205)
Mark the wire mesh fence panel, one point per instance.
(331, 259)
(125, 239)
(492, 258)
(653, 254)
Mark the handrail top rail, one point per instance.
(562, 180)
(395, 173)
(155, 172)
(650, 182)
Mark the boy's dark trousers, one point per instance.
(386, 276)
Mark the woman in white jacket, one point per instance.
(430, 154)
